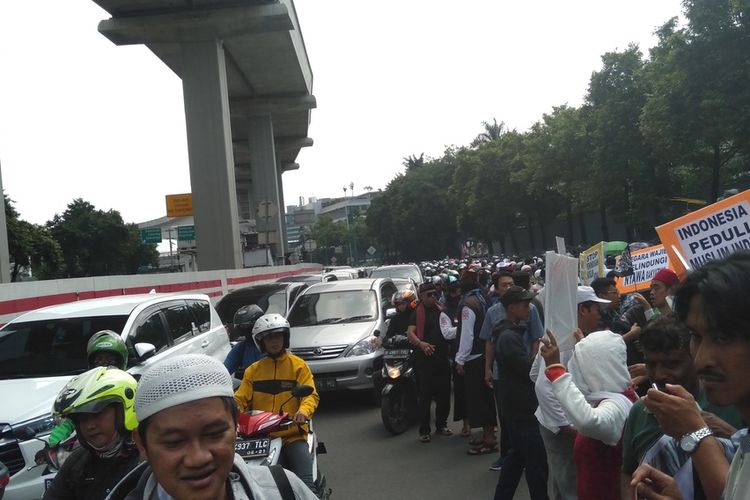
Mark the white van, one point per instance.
(43, 349)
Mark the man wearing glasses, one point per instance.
(432, 363)
(605, 288)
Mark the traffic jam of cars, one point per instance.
(335, 319)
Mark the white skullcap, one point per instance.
(180, 379)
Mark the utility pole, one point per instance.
(4, 253)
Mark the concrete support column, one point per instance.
(282, 210)
(266, 183)
(209, 133)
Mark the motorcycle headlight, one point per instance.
(394, 371)
(363, 347)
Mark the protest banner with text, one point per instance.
(713, 232)
(645, 264)
(591, 263)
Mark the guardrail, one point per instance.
(18, 298)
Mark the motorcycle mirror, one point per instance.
(23, 434)
(302, 391)
(299, 391)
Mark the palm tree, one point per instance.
(492, 131)
(411, 162)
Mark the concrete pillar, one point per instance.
(282, 210)
(209, 133)
(266, 183)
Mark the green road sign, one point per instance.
(151, 235)
(185, 233)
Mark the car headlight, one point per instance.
(363, 347)
(36, 426)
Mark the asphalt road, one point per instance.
(364, 461)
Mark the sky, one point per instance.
(83, 118)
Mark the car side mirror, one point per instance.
(144, 350)
(390, 313)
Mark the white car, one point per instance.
(43, 349)
(334, 326)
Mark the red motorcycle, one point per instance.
(256, 446)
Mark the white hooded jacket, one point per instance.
(598, 375)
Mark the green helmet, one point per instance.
(94, 390)
(107, 341)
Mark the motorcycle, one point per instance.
(51, 457)
(398, 406)
(256, 446)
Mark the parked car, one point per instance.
(43, 349)
(271, 297)
(333, 326)
(410, 271)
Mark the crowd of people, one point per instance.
(649, 401)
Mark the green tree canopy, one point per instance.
(32, 249)
(99, 243)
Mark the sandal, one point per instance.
(477, 441)
(485, 449)
(444, 432)
(465, 433)
(424, 438)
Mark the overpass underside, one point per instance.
(247, 86)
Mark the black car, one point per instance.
(271, 297)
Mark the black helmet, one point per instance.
(245, 318)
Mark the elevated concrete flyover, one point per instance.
(247, 86)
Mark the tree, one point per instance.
(32, 249)
(99, 243)
(696, 114)
(623, 176)
(412, 162)
(492, 132)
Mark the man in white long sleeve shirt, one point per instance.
(557, 432)
(480, 401)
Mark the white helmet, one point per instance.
(268, 324)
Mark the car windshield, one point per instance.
(334, 307)
(397, 272)
(52, 347)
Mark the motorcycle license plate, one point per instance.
(247, 448)
(396, 353)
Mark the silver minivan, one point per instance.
(334, 327)
(43, 349)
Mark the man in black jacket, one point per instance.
(432, 361)
(518, 402)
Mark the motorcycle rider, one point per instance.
(404, 301)
(100, 403)
(104, 348)
(267, 384)
(244, 353)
